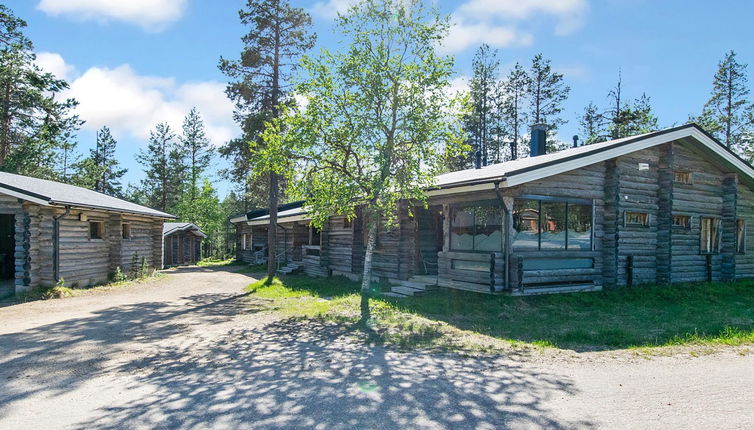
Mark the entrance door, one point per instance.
(7, 254)
(430, 238)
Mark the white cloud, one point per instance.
(152, 15)
(464, 34)
(570, 13)
(331, 8)
(54, 63)
(133, 104)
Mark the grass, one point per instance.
(644, 317)
(61, 291)
(217, 262)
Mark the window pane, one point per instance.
(489, 228)
(579, 226)
(526, 224)
(710, 231)
(715, 236)
(462, 230)
(553, 225)
(740, 236)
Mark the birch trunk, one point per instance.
(366, 280)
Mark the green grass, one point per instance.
(694, 314)
(218, 262)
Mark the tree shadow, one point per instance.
(59, 357)
(307, 373)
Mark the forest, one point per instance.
(39, 130)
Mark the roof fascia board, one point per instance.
(238, 219)
(292, 218)
(23, 196)
(108, 209)
(608, 154)
(465, 189)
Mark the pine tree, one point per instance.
(547, 92)
(160, 160)
(728, 113)
(278, 35)
(101, 170)
(480, 122)
(33, 123)
(615, 114)
(514, 107)
(592, 124)
(640, 118)
(196, 148)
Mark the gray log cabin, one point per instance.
(183, 243)
(51, 231)
(664, 207)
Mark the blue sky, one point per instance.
(134, 63)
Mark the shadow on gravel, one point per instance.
(306, 373)
(57, 358)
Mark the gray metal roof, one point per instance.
(172, 227)
(44, 192)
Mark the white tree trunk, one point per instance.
(366, 279)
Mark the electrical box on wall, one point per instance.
(83, 217)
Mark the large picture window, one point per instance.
(552, 224)
(710, 235)
(477, 228)
(740, 236)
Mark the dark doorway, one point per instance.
(7, 254)
(430, 238)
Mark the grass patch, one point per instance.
(215, 262)
(61, 291)
(693, 314)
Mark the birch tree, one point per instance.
(377, 110)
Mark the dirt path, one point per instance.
(192, 351)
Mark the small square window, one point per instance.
(96, 230)
(637, 218)
(740, 236)
(126, 230)
(682, 221)
(682, 177)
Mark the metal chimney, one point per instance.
(538, 140)
(478, 159)
(575, 141)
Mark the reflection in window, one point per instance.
(551, 225)
(553, 222)
(637, 218)
(740, 236)
(579, 226)
(710, 235)
(476, 228)
(682, 221)
(526, 224)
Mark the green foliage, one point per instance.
(277, 35)
(547, 92)
(101, 170)
(728, 114)
(592, 124)
(692, 314)
(196, 148)
(164, 168)
(118, 275)
(35, 127)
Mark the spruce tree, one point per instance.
(514, 107)
(592, 124)
(161, 187)
(101, 171)
(278, 35)
(728, 112)
(197, 150)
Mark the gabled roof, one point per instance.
(172, 227)
(51, 193)
(516, 172)
(298, 213)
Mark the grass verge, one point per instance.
(644, 317)
(60, 291)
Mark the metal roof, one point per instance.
(172, 227)
(51, 193)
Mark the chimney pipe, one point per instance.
(538, 140)
(575, 141)
(478, 159)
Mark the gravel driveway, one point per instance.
(192, 351)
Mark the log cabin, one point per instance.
(670, 206)
(183, 243)
(50, 231)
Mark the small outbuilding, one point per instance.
(50, 231)
(183, 243)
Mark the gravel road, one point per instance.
(191, 350)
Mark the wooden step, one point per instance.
(408, 291)
(394, 295)
(530, 291)
(425, 279)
